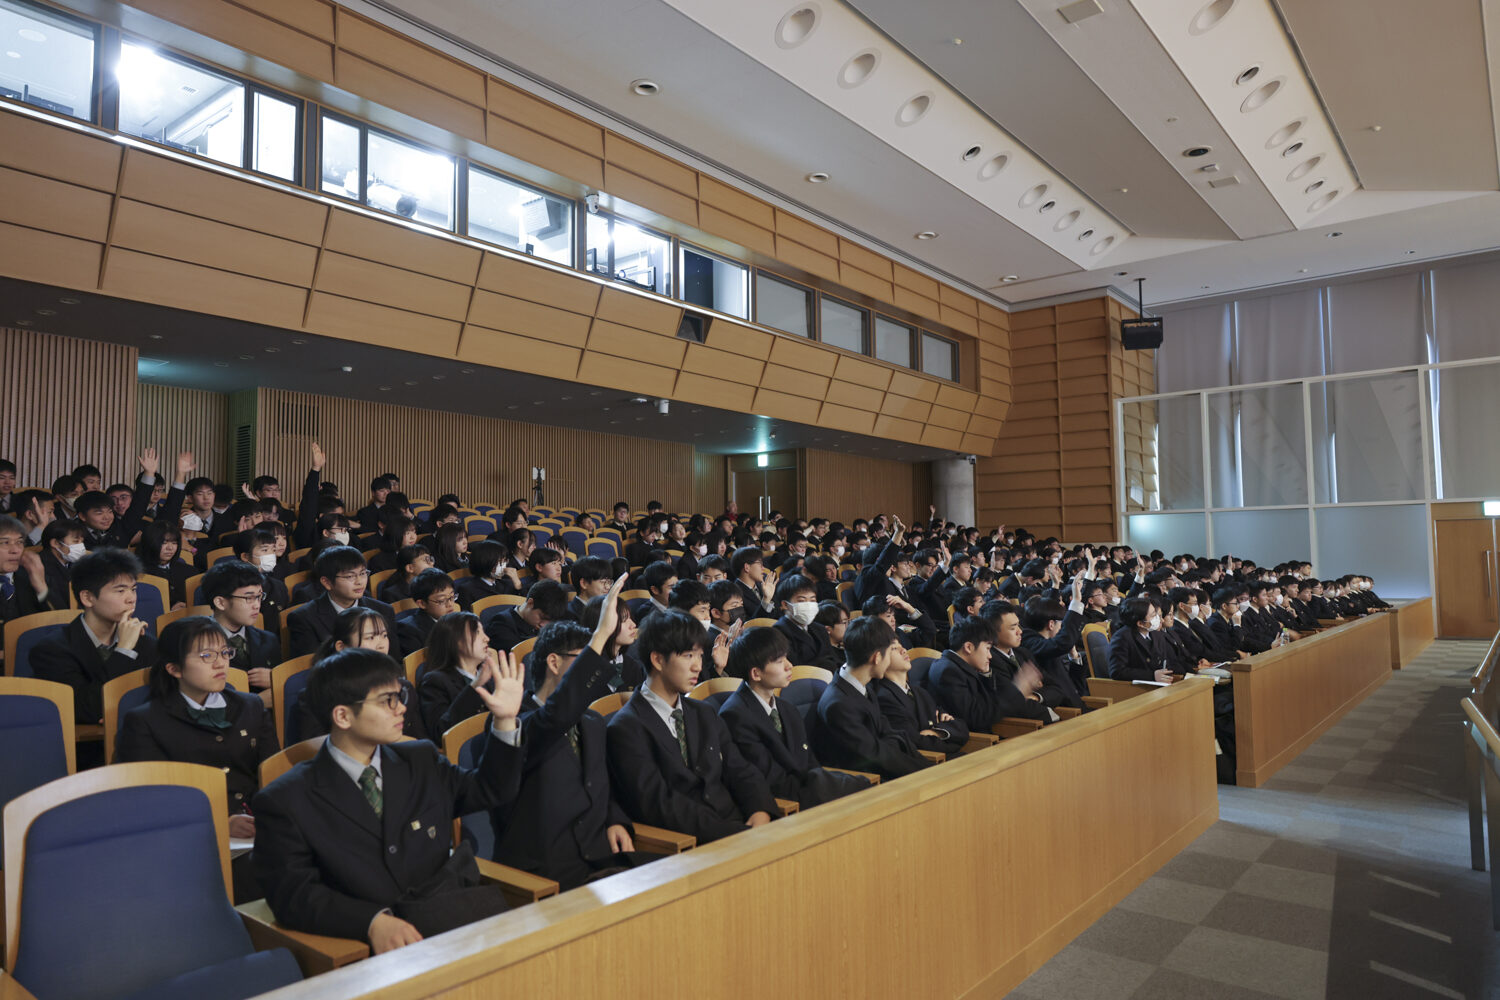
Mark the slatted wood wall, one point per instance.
(482, 459)
(1055, 468)
(710, 483)
(173, 419)
(64, 402)
(842, 487)
(1133, 373)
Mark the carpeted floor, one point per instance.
(1346, 876)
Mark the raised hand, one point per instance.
(318, 458)
(44, 515)
(185, 465)
(721, 653)
(609, 619)
(31, 562)
(245, 489)
(150, 461)
(504, 702)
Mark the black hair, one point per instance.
(379, 483)
(224, 578)
(445, 539)
(1038, 614)
(865, 638)
(335, 560)
(118, 488)
(261, 482)
(429, 582)
(348, 625)
(829, 614)
(970, 630)
(408, 555)
(791, 586)
(1134, 611)
(100, 568)
(86, 470)
(1225, 595)
(719, 593)
(713, 561)
(555, 637)
(6, 465)
(656, 574)
(448, 638)
(153, 537)
(589, 569)
(550, 598)
(668, 633)
(1181, 595)
(540, 557)
(56, 530)
(484, 557)
(687, 594)
(64, 484)
(346, 678)
(245, 541)
(745, 555)
(962, 598)
(875, 605)
(754, 649)
(174, 645)
(92, 500)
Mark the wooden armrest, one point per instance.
(1118, 690)
(788, 806)
(1094, 701)
(1067, 712)
(873, 779)
(978, 741)
(1010, 727)
(519, 887)
(85, 733)
(12, 990)
(933, 755)
(315, 953)
(655, 840)
(1329, 622)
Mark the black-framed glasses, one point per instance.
(390, 699)
(248, 598)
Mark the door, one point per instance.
(1468, 579)
(760, 489)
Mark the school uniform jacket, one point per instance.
(469, 589)
(71, 658)
(24, 600)
(119, 534)
(507, 629)
(59, 579)
(445, 698)
(1217, 648)
(556, 825)
(163, 730)
(1257, 630)
(262, 649)
(913, 710)
(978, 700)
(785, 758)
(313, 622)
(850, 732)
(329, 864)
(1132, 655)
(709, 796)
(413, 626)
(809, 646)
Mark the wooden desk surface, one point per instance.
(1003, 855)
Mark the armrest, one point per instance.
(788, 806)
(1010, 727)
(86, 733)
(1329, 622)
(315, 953)
(978, 741)
(1117, 690)
(655, 840)
(873, 779)
(933, 755)
(1067, 712)
(519, 887)
(12, 990)
(1094, 701)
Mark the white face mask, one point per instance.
(802, 612)
(75, 552)
(192, 522)
(266, 563)
(1154, 622)
(1244, 606)
(700, 550)
(342, 537)
(838, 551)
(1115, 599)
(1280, 599)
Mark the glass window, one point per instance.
(715, 283)
(1367, 439)
(274, 144)
(938, 357)
(1267, 536)
(1465, 410)
(47, 61)
(518, 217)
(341, 159)
(642, 257)
(596, 259)
(1163, 441)
(1257, 448)
(181, 105)
(411, 181)
(892, 342)
(782, 306)
(842, 325)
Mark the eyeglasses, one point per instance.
(210, 655)
(248, 598)
(354, 575)
(390, 699)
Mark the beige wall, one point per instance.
(172, 419)
(843, 487)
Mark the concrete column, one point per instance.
(953, 489)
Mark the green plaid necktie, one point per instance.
(573, 740)
(369, 784)
(776, 717)
(678, 725)
(241, 651)
(209, 718)
(105, 652)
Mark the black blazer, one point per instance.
(413, 626)
(329, 864)
(25, 601)
(753, 606)
(1226, 634)
(1215, 647)
(785, 758)
(262, 649)
(311, 624)
(59, 580)
(978, 700)
(162, 730)
(556, 826)
(445, 698)
(1132, 655)
(913, 710)
(850, 732)
(809, 646)
(71, 659)
(711, 797)
(119, 534)
(507, 629)
(176, 574)
(1258, 629)
(469, 589)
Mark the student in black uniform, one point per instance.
(341, 570)
(160, 550)
(627, 671)
(849, 730)
(356, 842)
(911, 710)
(433, 591)
(456, 651)
(24, 585)
(486, 578)
(747, 569)
(411, 562)
(807, 641)
(236, 591)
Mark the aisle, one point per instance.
(1346, 876)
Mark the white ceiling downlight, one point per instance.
(818, 177)
(859, 68)
(1209, 16)
(1260, 95)
(972, 153)
(1304, 168)
(1197, 151)
(993, 166)
(797, 25)
(1284, 133)
(1315, 185)
(912, 111)
(1292, 150)
(1047, 207)
(1323, 201)
(1032, 196)
(644, 88)
(1085, 235)
(1247, 74)
(927, 234)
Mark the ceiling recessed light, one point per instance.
(221, 364)
(1409, 252)
(513, 406)
(68, 300)
(466, 371)
(927, 234)
(1047, 206)
(859, 68)
(912, 111)
(1197, 151)
(818, 177)
(346, 368)
(1335, 235)
(46, 312)
(246, 357)
(154, 336)
(1033, 195)
(1121, 274)
(993, 166)
(23, 322)
(411, 382)
(1304, 168)
(384, 388)
(1202, 286)
(1284, 133)
(1292, 150)
(1301, 270)
(1085, 235)
(273, 350)
(299, 343)
(972, 152)
(1258, 97)
(32, 35)
(1011, 277)
(1376, 128)
(13, 54)
(796, 26)
(1323, 201)
(1122, 190)
(1247, 74)
(438, 378)
(645, 88)
(1209, 16)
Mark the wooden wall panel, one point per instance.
(842, 487)
(172, 419)
(710, 483)
(64, 402)
(482, 459)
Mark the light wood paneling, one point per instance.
(1412, 630)
(998, 917)
(482, 459)
(710, 484)
(843, 487)
(65, 402)
(172, 419)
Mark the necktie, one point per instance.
(573, 740)
(208, 718)
(105, 652)
(241, 651)
(7, 589)
(368, 785)
(677, 724)
(776, 718)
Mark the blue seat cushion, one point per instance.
(238, 978)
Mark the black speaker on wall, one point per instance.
(1141, 334)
